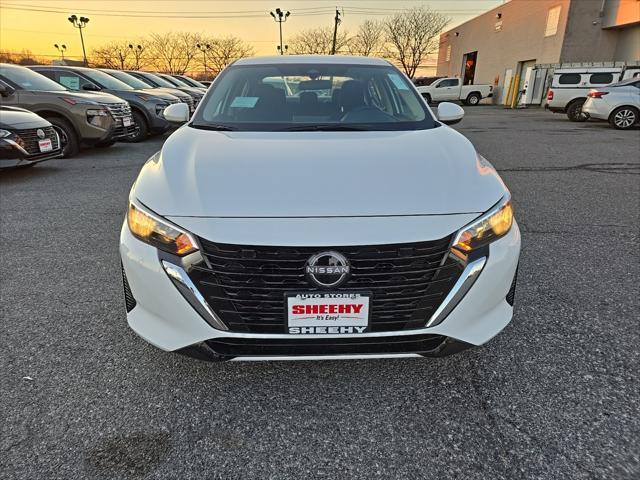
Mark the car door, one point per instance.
(447, 89)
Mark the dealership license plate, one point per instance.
(45, 145)
(327, 313)
(126, 121)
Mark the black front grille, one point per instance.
(246, 285)
(239, 347)
(119, 111)
(30, 140)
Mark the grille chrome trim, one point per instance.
(459, 290)
(191, 293)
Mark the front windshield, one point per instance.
(174, 81)
(314, 97)
(29, 80)
(107, 81)
(192, 82)
(156, 79)
(130, 80)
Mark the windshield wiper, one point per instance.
(325, 127)
(219, 128)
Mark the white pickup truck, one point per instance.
(447, 89)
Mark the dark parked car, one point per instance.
(26, 138)
(138, 84)
(146, 108)
(156, 81)
(181, 83)
(80, 118)
(190, 81)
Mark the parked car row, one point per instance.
(87, 107)
(579, 93)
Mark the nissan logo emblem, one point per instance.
(327, 269)
(40, 133)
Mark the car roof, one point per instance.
(322, 59)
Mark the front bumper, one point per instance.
(13, 155)
(165, 319)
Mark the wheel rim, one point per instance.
(625, 118)
(473, 100)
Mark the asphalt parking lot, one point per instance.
(556, 395)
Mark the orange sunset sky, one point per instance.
(36, 25)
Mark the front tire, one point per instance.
(624, 118)
(427, 98)
(473, 99)
(575, 113)
(67, 134)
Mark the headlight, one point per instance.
(156, 231)
(98, 117)
(4, 133)
(491, 226)
(93, 112)
(160, 108)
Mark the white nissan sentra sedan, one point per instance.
(315, 207)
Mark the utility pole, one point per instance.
(335, 31)
(61, 49)
(204, 48)
(80, 23)
(280, 17)
(137, 53)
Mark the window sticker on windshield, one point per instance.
(244, 102)
(72, 83)
(397, 81)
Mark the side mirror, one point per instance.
(91, 87)
(450, 113)
(6, 90)
(177, 113)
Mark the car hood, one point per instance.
(155, 95)
(102, 97)
(11, 120)
(203, 173)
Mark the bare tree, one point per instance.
(224, 51)
(369, 40)
(25, 57)
(412, 35)
(317, 41)
(172, 52)
(113, 55)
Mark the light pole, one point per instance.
(61, 49)
(137, 52)
(80, 23)
(280, 17)
(204, 48)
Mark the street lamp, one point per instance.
(280, 17)
(137, 52)
(204, 48)
(61, 49)
(80, 23)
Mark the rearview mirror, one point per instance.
(91, 87)
(177, 113)
(450, 113)
(6, 90)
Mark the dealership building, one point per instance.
(507, 40)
